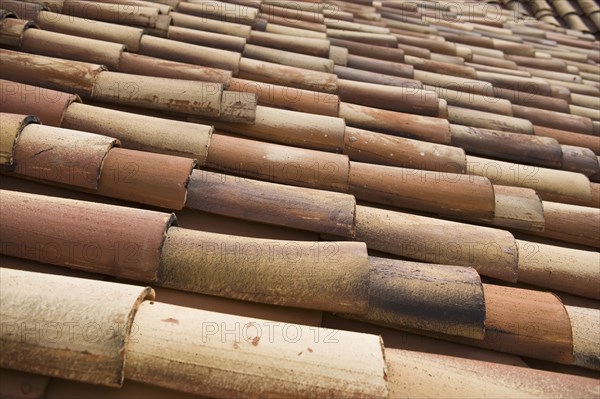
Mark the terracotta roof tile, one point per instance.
(467, 132)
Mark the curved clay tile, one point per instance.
(420, 296)
(252, 362)
(142, 65)
(445, 193)
(436, 130)
(11, 126)
(54, 73)
(332, 276)
(383, 149)
(287, 76)
(271, 95)
(522, 148)
(559, 268)
(306, 209)
(492, 252)
(572, 223)
(154, 179)
(518, 208)
(277, 163)
(586, 336)
(540, 329)
(550, 184)
(70, 25)
(78, 329)
(48, 105)
(62, 156)
(317, 132)
(109, 239)
(141, 132)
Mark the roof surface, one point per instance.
(299, 199)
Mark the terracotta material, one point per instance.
(487, 120)
(392, 98)
(433, 45)
(315, 210)
(48, 105)
(569, 270)
(380, 66)
(85, 27)
(492, 61)
(62, 156)
(527, 85)
(309, 46)
(311, 102)
(555, 120)
(73, 303)
(118, 13)
(161, 356)
(541, 329)
(572, 223)
(469, 99)
(299, 129)
(288, 58)
(53, 73)
(419, 127)
(584, 101)
(519, 208)
(210, 25)
(532, 62)
(441, 67)
(292, 12)
(112, 240)
(437, 375)
(12, 30)
(19, 9)
(325, 276)
(488, 68)
(290, 31)
(240, 308)
(11, 126)
(194, 98)
(238, 107)
(561, 76)
(373, 77)
(189, 53)
(532, 100)
(287, 76)
(585, 112)
(580, 159)
(444, 193)
(339, 55)
(550, 184)
(586, 336)
(147, 178)
(209, 39)
(370, 51)
(354, 26)
(570, 138)
(377, 148)
(420, 296)
(491, 252)
(149, 66)
(59, 45)
(279, 164)
(542, 151)
(140, 132)
(219, 10)
(294, 23)
(414, 51)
